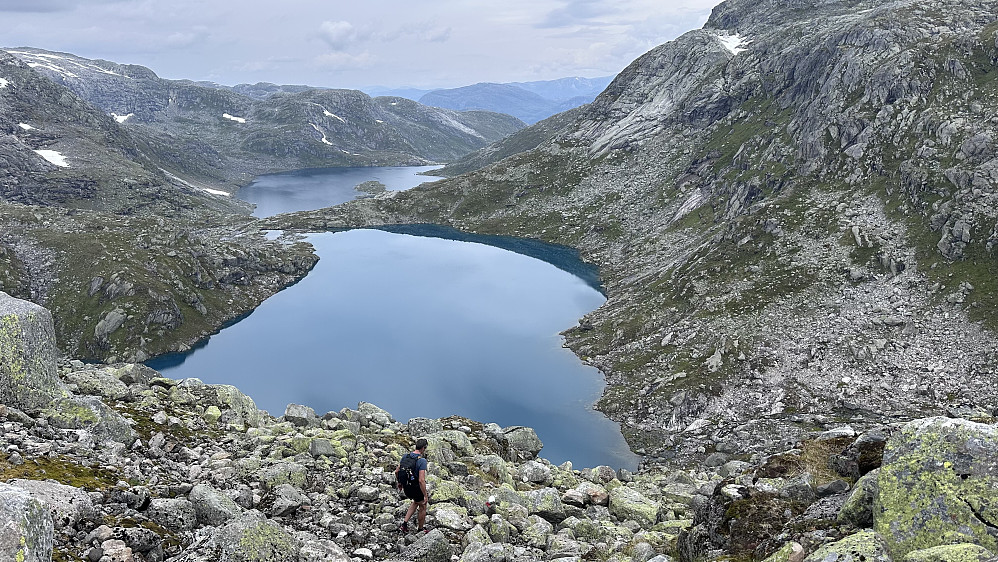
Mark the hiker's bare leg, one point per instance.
(409, 512)
(422, 513)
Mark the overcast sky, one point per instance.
(356, 43)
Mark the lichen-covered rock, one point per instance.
(98, 382)
(253, 538)
(432, 547)
(865, 546)
(68, 505)
(282, 473)
(937, 485)
(90, 413)
(26, 530)
(790, 552)
(858, 507)
(492, 552)
(28, 376)
(451, 517)
(212, 507)
(546, 502)
(523, 442)
(630, 505)
(176, 514)
(375, 414)
(950, 553)
(448, 445)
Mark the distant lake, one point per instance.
(424, 325)
(307, 190)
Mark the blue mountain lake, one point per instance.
(423, 321)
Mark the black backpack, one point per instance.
(408, 474)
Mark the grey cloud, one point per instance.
(576, 12)
(338, 34)
(43, 6)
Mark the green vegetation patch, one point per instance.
(62, 469)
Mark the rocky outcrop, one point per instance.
(28, 375)
(25, 526)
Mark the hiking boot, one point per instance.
(423, 530)
(404, 527)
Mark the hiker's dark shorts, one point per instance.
(414, 494)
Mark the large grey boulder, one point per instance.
(630, 505)
(212, 507)
(252, 538)
(176, 514)
(936, 485)
(865, 546)
(68, 505)
(432, 547)
(29, 377)
(26, 530)
(523, 442)
(90, 413)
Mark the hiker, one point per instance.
(411, 478)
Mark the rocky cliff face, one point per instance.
(794, 209)
(218, 135)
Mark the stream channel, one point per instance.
(423, 321)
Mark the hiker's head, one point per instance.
(421, 445)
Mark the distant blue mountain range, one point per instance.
(529, 101)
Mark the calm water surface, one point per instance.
(425, 327)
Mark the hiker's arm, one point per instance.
(422, 485)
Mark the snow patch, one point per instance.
(215, 191)
(53, 68)
(122, 118)
(395, 103)
(734, 43)
(318, 130)
(192, 186)
(54, 157)
(3, 83)
(378, 121)
(26, 127)
(234, 118)
(333, 115)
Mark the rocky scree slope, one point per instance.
(115, 463)
(222, 136)
(794, 210)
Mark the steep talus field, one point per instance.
(221, 136)
(794, 210)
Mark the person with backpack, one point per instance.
(411, 478)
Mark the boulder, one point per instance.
(69, 506)
(858, 507)
(523, 442)
(492, 552)
(301, 416)
(936, 485)
(252, 538)
(865, 546)
(375, 414)
(431, 547)
(26, 529)
(29, 378)
(535, 472)
(452, 517)
(212, 507)
(324, 551)
(419, 427)
(176, 514)
(950, 553)
(627, 504)
(98, 382)
(546, 502)
(89, 413)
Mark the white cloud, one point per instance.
(338, 34)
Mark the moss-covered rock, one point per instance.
(253, 538)
(950, 553)
(790, 552)
(937, 485)
(28, 375)
(865, 546)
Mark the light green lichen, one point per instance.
(265, 542)
(933, 488)
(950, 553)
